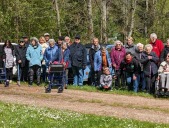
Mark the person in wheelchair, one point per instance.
(163, 72)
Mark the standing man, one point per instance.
(47, 37)
(95, 47)
(130, 47)
(78, 57)
(20, 53)
(157, 44)
(26, 40)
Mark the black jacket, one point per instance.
(150, 66)
(20, 53)
(92, 52)
(138, 56)
(164, 53)
(78, 55)
(131, 68)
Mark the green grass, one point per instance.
(23, 116)
(113, 91)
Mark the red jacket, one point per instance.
(157, 47)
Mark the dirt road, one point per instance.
(133, 107)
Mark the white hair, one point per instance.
(153, 35)
(148, 45)
(51, 40)
(118, 42)
(140, 45)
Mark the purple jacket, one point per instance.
(117, 56)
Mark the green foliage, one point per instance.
(22, 116)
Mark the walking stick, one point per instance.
(18, 71)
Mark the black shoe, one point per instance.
(38, 84)
(7, 84)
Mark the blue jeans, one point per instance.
(141, 80)
(132, 84)
(77, 75)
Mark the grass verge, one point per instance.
(23, 116)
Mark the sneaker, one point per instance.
(65, 86)
(38, 84)
(30, 84)
(18, 83)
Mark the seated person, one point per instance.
(106, 79)
(164, 72)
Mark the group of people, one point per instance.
(135, 65)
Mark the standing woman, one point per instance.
(8, 57)
(150, 60)
(44, 45)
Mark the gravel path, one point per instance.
(133, 107)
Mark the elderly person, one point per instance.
(20, 52)
(101, 60)
(44, 45)
(68, 41)
(140, 76)
(95, 47)
(34, 56)
(129, 46)
(50, 52)
(78, 58)
(164, 72)
(150, 60)
(62, 56)
(164, 52)
(156, 44)
(117, 56)
(130, 66)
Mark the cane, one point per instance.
(18, 71)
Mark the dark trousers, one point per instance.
(150, 83)
(34, 69)
(97, 75)
(22, 75)
(44, 74)
(93, 79)
(9, 73)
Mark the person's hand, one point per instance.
(149, 57)
(64, 64)
(3, 60)
(114, 65)
(19, 61)
(134, 77)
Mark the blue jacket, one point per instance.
(49, 53)
(98, 60)
(59, 55)
(34, 55)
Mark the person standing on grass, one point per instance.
(8, 58)
(150, 61)
(101, 60)
(62, 56)
(140, 77)
(157, 45)
(20, 53)
(95, 47)
(78, 58)
(34, 56)
(49, 53)
(44, 45)
(117, 56)
(130, 66)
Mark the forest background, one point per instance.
(108, 20)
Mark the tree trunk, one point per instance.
(133, 9)
(58, 16)
(146, 18)
(90, 30)
(104, 16)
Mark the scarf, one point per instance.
(128, 61)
